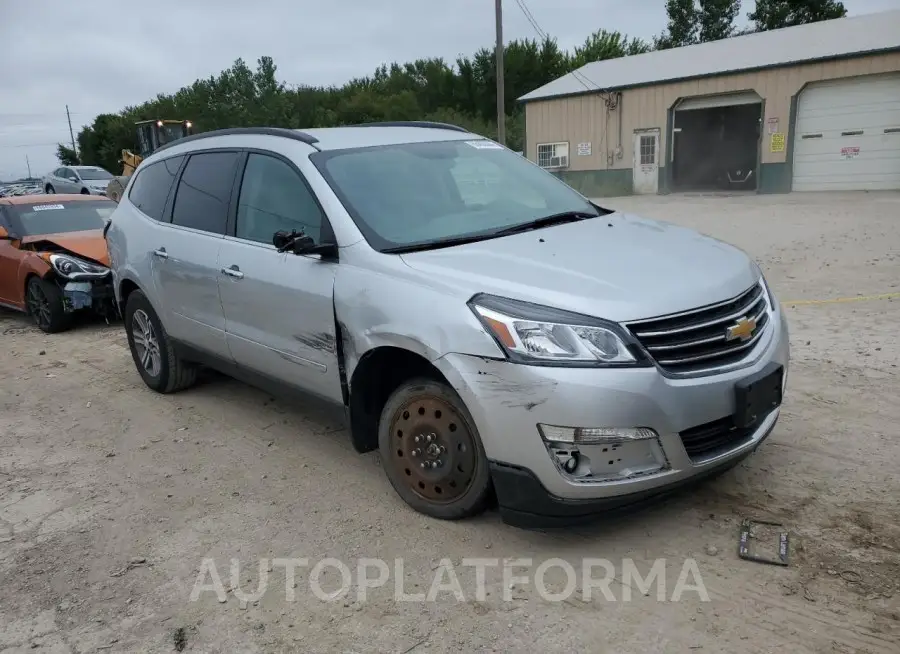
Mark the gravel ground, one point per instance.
(111, 497)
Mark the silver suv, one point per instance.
(494, 334)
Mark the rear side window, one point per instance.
(204, 191)
(151, 187)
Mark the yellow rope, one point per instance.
(858, 298)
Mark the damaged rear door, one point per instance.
(279, 311)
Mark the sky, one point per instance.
(99, 56)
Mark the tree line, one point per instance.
(462, 92)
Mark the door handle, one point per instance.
(233, 271)
(161, 253)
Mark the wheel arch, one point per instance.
(378, 373)
(29, 275)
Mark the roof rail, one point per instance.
(413, 123)
(236, 131)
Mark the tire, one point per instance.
(165, 371)
(459, 483)
(44, 303)
(49, 190)
(84, 191)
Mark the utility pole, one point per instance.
(28, 163)
(71, 133)
(501, 95)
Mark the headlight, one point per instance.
(71, 267)
(538, 335)
(773, 302)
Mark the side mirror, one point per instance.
(302, 244)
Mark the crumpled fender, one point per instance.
(397, 309)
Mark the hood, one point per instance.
(96, 183)
(89, 244)
(618, 267)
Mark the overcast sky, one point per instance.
(98, 56)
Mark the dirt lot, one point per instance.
(111, 496)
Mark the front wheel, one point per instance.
(50, 190)
(432, 452)
(152, 350)
(44, 303)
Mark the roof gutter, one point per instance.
(736, 71)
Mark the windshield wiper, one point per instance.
(546, 221)
(438, 243)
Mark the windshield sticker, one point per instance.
(485, 145)
(46, 207)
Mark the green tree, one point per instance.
(462, 92)
(774, 14)
(66, 156)
(697, 21)
(716, 19)
(603, 45)
(683, 25)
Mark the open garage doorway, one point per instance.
(716, 143)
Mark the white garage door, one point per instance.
(847, 136)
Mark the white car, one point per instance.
(87, 180)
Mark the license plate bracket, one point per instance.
(758, 395)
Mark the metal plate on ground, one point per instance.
(759, 535)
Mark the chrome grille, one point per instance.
(696, 340)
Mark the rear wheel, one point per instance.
(44, 303)
(431, 451)
(49, 190)
(152, 350)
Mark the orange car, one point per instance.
(53, 258)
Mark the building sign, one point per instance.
(850, 152)
(584, 149)
(773, 125)
(777, 144)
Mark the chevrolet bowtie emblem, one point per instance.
(742, 329)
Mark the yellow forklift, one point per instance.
(151, 135)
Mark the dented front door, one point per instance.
(279, 315)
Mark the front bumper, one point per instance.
(507, 402)
(85, 295)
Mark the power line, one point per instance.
(578, 75)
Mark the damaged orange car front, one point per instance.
(53, 257)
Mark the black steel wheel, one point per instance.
(432, 452)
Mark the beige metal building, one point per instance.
(807, 108)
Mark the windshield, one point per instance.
(59, 217)
(419, 193)
(93, 173)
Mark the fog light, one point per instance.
(594, 434)
(598, 454)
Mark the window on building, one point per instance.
(648, 149)
(553, 155)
